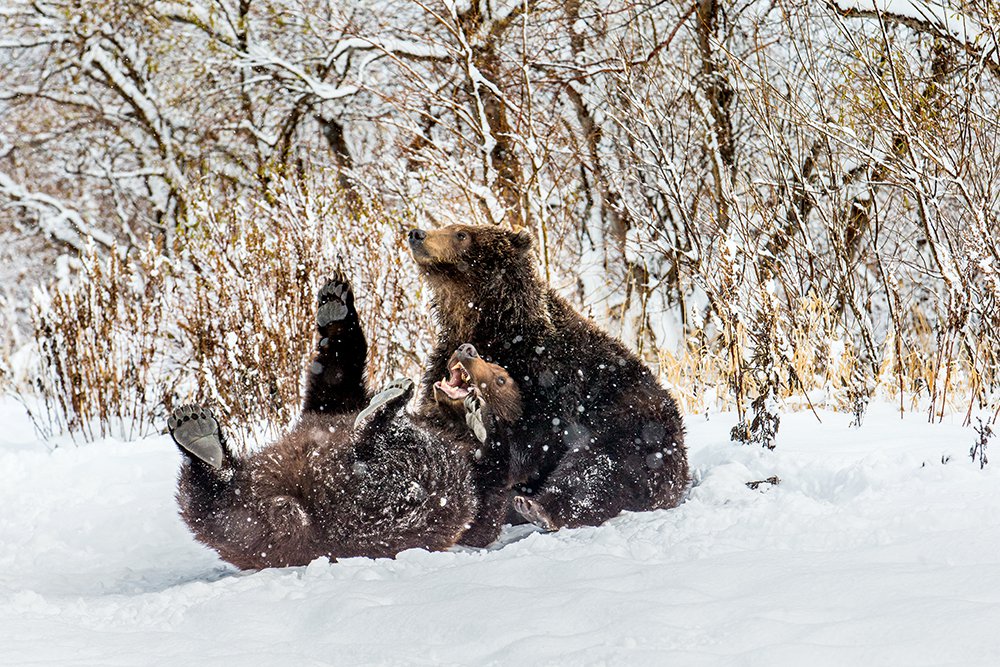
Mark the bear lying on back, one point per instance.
(598, 434)
(345, 481)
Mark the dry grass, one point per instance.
(226, 317)
(100, 342)
(824, 369)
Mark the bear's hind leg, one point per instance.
(336, 382)
(210, 470)
(586, 489)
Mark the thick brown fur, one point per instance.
(329, 488)
(598, 434)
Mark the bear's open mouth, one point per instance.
(458, 385)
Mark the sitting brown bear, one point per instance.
(346, 481)
(597, 434)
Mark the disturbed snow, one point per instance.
(870, 551)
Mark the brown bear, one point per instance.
(597, 434)
(483, 400)
(345, 481)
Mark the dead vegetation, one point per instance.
(224, 316)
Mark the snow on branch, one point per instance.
(104, 62)
(260, 57)
(398, 47)
(55, 219)
(159, 127)
(46, 40)
(197, 16)
(965, 31)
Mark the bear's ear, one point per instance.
(521, 239)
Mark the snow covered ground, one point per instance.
(880, 546)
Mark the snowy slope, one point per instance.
(871, 551)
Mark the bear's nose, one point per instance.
(417, 235)
(467, 351)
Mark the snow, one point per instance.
(260, 56)
(879, 546)
(56, 218)
(947, 21)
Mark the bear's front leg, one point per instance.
(335, 383)
(491, 472)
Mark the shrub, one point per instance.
(223, 315)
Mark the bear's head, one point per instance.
(471, 375)
(455, 250)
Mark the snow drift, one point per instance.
(879, 546)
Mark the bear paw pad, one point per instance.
(396, 393)
(196, 431)
(335, 299)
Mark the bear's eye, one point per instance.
(461, 236)
(501, 380)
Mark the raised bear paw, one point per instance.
(196, 431)
(394, 395)
(335, 301)
(534, 512)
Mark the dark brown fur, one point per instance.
(598, 434)
(328, 488)
(324, 490)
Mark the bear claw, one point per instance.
(335, 301)
(196, 431)
(399, 390)
(474, 417)
(534, 513)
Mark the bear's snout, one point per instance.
(416, 236)
(467, 351)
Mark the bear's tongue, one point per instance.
(456, 386)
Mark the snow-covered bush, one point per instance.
(226, 315)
